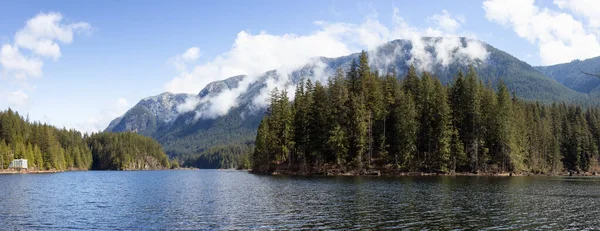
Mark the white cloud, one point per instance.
(254, 54)
(99, 122)
(16, 65)
(220, 104)
(590, 9)
(189, 105)
(39, 36)
(191, 54)
(446, 22)
(41, 32)
(558, 35)
(121, 106)
(17, 99)
(23, 58)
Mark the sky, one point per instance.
(80, 64)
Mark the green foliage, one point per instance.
(365, 121)
(571, 75)
(126, 151)
(221, 157)
(182, 138)
(45, 147)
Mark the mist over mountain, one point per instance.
(228, 111)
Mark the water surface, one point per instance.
(216, 199)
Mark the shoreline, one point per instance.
(376, 173)
(7, 172)
(31, 172)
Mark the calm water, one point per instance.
(213, 199)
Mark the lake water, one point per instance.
(214, 199)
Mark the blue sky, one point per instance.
(123, 51)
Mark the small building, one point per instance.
(18, 164)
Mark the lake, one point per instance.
(217, 199)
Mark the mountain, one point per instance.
(161, 117)
(177, 121)
(570, 75)
(526, 81)
(150, 113)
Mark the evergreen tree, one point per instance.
(506, 145)
(338, 117)
(441, 128)
(301, 108)
(362, 121)
(260, 156)
(318, 123)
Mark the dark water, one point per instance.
(213, 199)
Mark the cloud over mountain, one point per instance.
(254, 54)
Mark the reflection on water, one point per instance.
(212, 199)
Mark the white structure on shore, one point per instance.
(18, 164)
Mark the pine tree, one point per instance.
(411, 82)
(458, 157)
(358, 130)
(338, 141)
(469, 129)
(338, 117)
(416, 124)
(441, 127)
(425, 106)
(318, 123)
(301, 123)
(403, 127)
(260, 156)
(506, 145)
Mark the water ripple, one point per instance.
(233, 200)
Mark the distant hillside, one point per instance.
(526, 81)
(569, 74)
(185, 133)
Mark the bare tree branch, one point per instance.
(587, 73)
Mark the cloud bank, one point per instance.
(559, 36)
(99, 122)
(254, 54)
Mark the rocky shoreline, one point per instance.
(336, 172)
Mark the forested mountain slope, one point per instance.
(364, 122)
(570, 75)
(185, 133)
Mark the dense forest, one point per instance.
(48, 148)
(126, 151)
(364, 121)
(571, 75)
(224, 156)
(44, 146)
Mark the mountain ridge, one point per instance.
(571, 75)
(186, 133)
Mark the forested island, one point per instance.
(363, 121)
(49, 148)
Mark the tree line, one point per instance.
(236, 155)
(126, 151)
(363, 120)
(49, 148)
